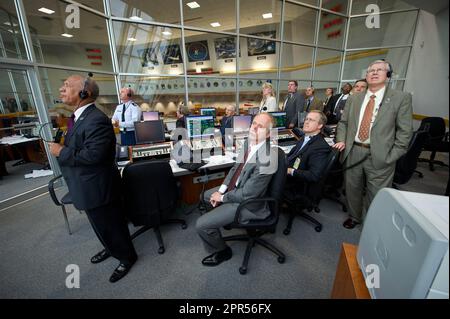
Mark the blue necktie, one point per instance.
(123, 112)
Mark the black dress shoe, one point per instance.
(99, 257)
(218, 257)
(350, 223)
(120, 271)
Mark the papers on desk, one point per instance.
(287, 149)
(16, 139)
(39, 173)
(219, 160)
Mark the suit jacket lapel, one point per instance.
(358, 106)
(385, 104)
(80, 120)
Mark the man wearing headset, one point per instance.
(375, 129)
(87, 161)
(125, 115)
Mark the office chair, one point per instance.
(65, 200)
(438, 140)
(256, 228)
(309, 197)
(407, 164)
(150, 195)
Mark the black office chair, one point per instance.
(308, 198)
(407, 164)
(150, 195)
(65, 200)
(256, 228)
(438, 140)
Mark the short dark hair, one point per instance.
(295, 82)
(323, 117)
(361, 80)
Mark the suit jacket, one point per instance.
(295, 105)
(316, 104)
(313, 158)
(390, 133)
(225, 122)
(330, 108)
(88, 161)
(181, 122)
(253, 181)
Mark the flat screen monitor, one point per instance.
(171, 126)
(242, 123)
(200, 125)
(253, 110)
(280, 119)
(148, 132)
(208, 111)
(150, 116)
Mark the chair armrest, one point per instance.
(446, 137)
(51, 190)
(251, 201)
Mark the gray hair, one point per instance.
(387, 65)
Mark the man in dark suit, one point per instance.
(335, 107)
(247, 179)
(87, 164)
(293, 105)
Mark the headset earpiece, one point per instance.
(389, 73)
(129, 91)
(84, 94)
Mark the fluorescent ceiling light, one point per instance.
(9, 23)
(167, 33)
(131, 39)
(12, 31)
(267, 15)
(193, 5)
(136, 18)
(67, 35)
(215, 24)
(45, 10)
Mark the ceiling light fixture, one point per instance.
(215, 24)
(45, 10)
(193, 5)
(131, 39)
(136, 18)
(67, 35)
(167, 33)
(267, 15)
(9, 24)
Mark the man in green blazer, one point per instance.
(376, 128)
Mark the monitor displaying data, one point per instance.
(149, 132)
(242, 123)
(280, 119)
(208, 111)
(171, 126)
(150, 116)
(201, 125)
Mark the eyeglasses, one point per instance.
(310, 119)
(372, 71)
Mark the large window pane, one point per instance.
(165, 11)
(340, 6)
(148, 49)
(11, 40)
(302, 85)
(327, 65)
(94, 4)
(296, 62)
(299, 23)
(395, 29)
(311, 2)
(259, 57)
(56, 42)
(356, 62)
(210, 14)
(331, 30)
(260, 18)
(15, 93)
(360, 6)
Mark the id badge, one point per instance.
(296, 163)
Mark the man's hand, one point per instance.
(55, 149)
(115, 123)
(291, 125)
(340, 146)
(215, 199)
(290, 170)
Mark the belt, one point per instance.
(361, 145)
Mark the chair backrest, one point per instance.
(405, 166)
(435, 126)
(276, 186)
(149, 192)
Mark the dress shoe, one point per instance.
(99, 257)
(120, 271)
(218, 257)
(350, 223)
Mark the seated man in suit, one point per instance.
(248, 178)
(307, 159)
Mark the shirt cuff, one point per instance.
(223, 189)
(292, 172)
(221, 198)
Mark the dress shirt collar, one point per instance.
(80, 110)
(379, 94)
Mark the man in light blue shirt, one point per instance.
(125, 115)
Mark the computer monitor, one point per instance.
(280, 119)
(150, 116)
(199, 125)
(208, 111)
(403, 248)
(171, 126)
(242, 123)
(253, 110)
(149, 132)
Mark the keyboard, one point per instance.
(287, 143)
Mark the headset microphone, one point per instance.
(84, 94)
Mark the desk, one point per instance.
(30, 149)
(349, 282)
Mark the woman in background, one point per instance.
(268, 103)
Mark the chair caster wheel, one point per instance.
(317, 209)
(183, 226)
(281, 260)
(318, 229)
(242, 270)
(161, 250)
(286, 231)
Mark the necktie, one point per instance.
(238, 171)
(70, 123)
(308, 103)
(367, 119)
(287, 100)
(123, 112)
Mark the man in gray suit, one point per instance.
(248, 178)
(376, 128)
(293, 105)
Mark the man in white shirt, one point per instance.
(374, 132)
(248, 178)
(125, 115)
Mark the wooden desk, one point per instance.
(349, 282)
